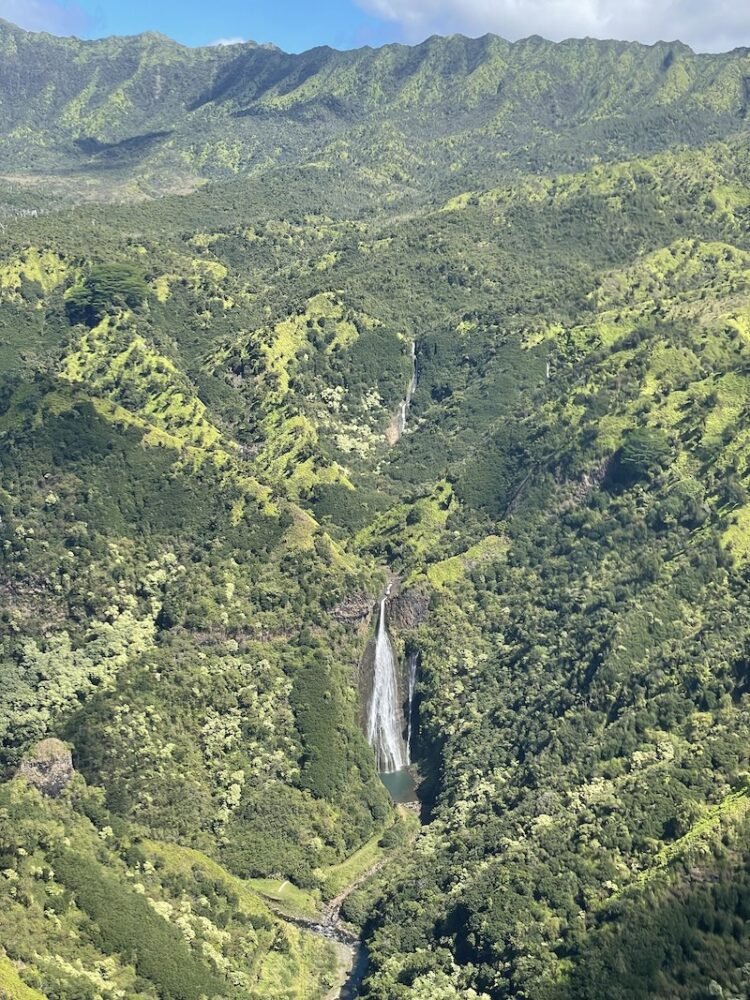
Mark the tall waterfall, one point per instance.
(384, 721)
(411, 676)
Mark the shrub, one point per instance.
(643, 452)
(128, 926)
(106, 286)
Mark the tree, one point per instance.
(643, 451)
(107, 285)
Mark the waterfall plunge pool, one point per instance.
(401, 785)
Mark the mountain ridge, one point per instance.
(534, 38)
(256, 107)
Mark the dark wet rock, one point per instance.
(409, 609)
(48, 767)
(353, 610)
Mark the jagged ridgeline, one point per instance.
(220, 270)
(138, 116)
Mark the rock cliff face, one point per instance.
(409, 609)
(48, 767)
(588, 482)
(353, 610)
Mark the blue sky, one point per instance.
(292, 24)
(707, 25)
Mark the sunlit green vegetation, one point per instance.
(196, 392)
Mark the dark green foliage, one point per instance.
(183, 558)
(106, 287)
(345, 508)
(493, 479)
(643, 946)
(126, 925)
(643, 452)
(377, 358)
(324, 764)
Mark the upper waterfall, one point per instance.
(398, 421)
(384, 723)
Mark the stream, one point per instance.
(330, 926)
(389, 730)
(390, 736)
(350, 944)
(412, 388)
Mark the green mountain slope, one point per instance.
(143, 114)
(202, 495)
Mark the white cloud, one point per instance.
(229, 41)
(706, 25)
(60, 17)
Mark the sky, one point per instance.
(295, 25)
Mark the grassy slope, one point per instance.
(260, 955)
(12, 984)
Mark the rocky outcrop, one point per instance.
(48, 767)
(353, 610)
(589, 481)
(408, 609)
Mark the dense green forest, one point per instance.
(215, 266)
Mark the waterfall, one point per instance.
(401, 418)
(411, 675)
(398, 421)
(384, 721)
(412, 388)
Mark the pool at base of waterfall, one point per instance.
(400, 784)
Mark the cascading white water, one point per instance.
(398, 424)
(411, 675)
(412, 388)
(384, 720)
(401, 418)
